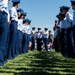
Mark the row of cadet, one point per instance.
(15, 32)
(64, 31)
(13, 27)
(41, 40)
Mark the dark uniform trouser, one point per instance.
(63, 42)
(46, 43)
(74, 37)
(55, 44)
(70, 43)
(39, 44)
(19, 42)
(33, 43)
(26, 39)
(4, 30)
(12, 41)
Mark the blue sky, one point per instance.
(42, 12)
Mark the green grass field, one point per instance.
(39, 63)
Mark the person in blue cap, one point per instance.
(4, 29)
(61, 10)
(19, 11)
(73, 24)
(33, 38)
(25, 36)
(23, 14)
(45, 38)
(69, 33)
(39, 39)
(13, 29)
(29, 34)
(62, 35)
(57, 34)
(19, 32)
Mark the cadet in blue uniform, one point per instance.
(19, 32)
(45, 38)
(33, 38)
(28, 34)
(25, 36)
(23, 15)
(13, 29)
(55, 36)
(4, 29)
(63, 34)
(57, 33)
(69, 33)
(39, 39)
(19, 12)
(73, 7)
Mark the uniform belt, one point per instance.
(20, 31)
(63, 29)
(14, 21)
(3, 12)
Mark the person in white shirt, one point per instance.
(20, 31)
(4, 30)
(69, 32)
(63, 41)
(13, 29)
(29, 35)
(45, 38)
(25, 36)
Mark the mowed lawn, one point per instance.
(39, 63)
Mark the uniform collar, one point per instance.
(64, 19)
(67, 13)
(46, 31)
(14, 7)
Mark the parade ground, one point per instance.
(39, 63)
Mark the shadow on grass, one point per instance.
(41, 63)
(48, 64)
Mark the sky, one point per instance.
(42, 12)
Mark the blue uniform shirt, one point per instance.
(38, 35)
(74, 18)
(63, 23)
(69, 19)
